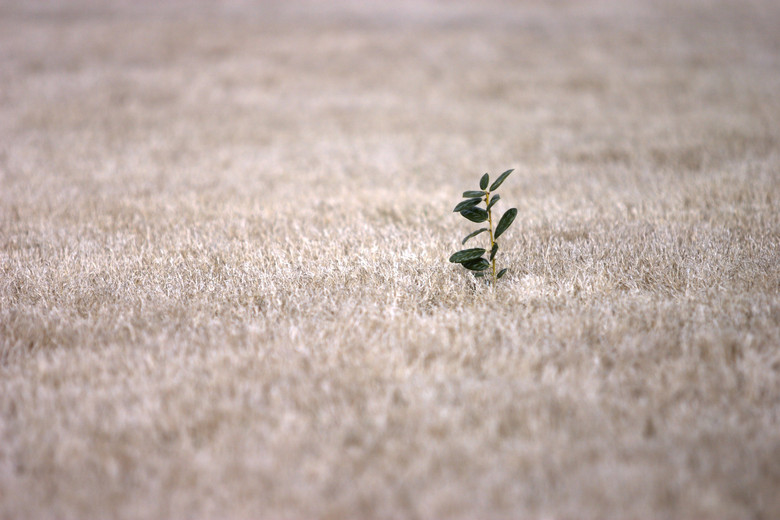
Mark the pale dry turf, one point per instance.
(224, 287)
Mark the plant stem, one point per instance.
(492, 243)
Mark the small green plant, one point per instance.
(473, 259)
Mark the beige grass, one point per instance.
(223, 281)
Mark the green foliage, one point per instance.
(501, 179)
(505, 221)
(493, 200)
(478, 264)
(473, 259)
(468, 203)
(466, 255)
(473, 234)
(475, 214)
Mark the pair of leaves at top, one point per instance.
(483, 182)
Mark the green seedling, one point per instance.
(470, 208)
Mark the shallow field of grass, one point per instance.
(224, 287)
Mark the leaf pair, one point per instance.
(471, 259)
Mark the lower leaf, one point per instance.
(479, 264)
(467, 255)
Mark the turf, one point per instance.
(224, 287)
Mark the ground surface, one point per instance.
(223, 281)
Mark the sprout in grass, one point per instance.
(473, 259)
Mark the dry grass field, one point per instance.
(224, 287)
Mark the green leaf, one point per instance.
(501, 273)
(495, 198)
(478, 264)
(493, 252)
(475, 233)
(479, 274)
(475, 214)
(465, 204)
(467, 255)
(501, 178)
(505, 222)
(473, 193)
(483, 182)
